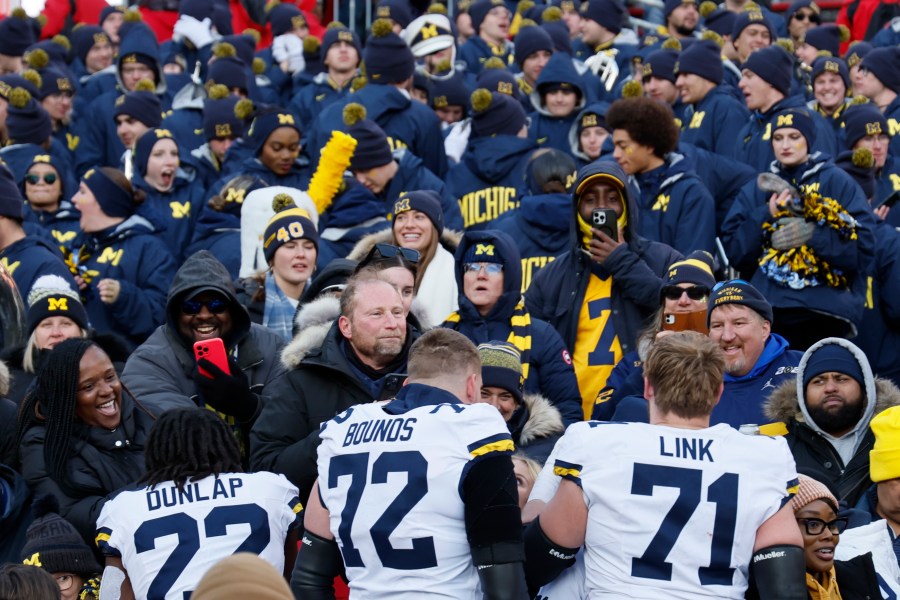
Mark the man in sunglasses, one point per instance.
(828, 415)
(202, 305)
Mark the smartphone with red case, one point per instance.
(212, 350)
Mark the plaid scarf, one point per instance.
(520, 336)
(279, 311)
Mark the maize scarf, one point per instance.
(828, 591)
(520, 336)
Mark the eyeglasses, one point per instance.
(390, 251)
(34, 178)
(695, 292)
(64, 581)
(193, 307)
(816, 526)
(806, 17)
(489, 268)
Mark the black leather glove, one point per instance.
(227, 393)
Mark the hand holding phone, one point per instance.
(605, 220)
(212, 350)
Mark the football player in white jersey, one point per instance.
(673, 508)
(196, 509)
(418, 495)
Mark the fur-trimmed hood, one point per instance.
(312, 322)
(544, 420)
(449, 240)
(4, 379)
(788, 400)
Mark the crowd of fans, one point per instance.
(562, 184)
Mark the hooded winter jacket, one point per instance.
(676, 207)
(490, 178)
(319, 384)
(743, 240)
(845, 460)
(637, 268)
(550, 373)
(31, 257)
(160, 372)
(174, 213)
(408, 124)
(546, 130)
(535, 427)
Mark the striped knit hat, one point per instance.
(501, 366)
(811, 490)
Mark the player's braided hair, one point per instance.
(52, 401)
(189, 443)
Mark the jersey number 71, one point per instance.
(723, 492)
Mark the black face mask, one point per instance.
(841, 420)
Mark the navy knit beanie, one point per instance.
(671, 5)
(861, 120)
(86, 37)
(608, 13)
(531, 40)
(27, 122)
(397, 11)
(833, 358)
(11, 199)
(703, 59)
(696, 268)
(285, 17)
(113, 200)
(740, 292)
(219, 120)
(479, 10)
(106, 12)
(829, 64)
(144, 147)
(17, 33)
(387, 57)
(799, 119)
(661, 64)
(424, 201)
(884, 64)
(721, 21)
(55, 81)
(142, 106)
(825, 38)
(797, 5)
(752, 17)
(372, 147)
(229, 71)
(774, 65)
(289, 223)
(451, 91)
(496, 114)
(856, 52)
(51, 296)
(498, 80)
(559, 33)
(339, 34)
(265, 122)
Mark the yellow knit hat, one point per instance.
(884, 458)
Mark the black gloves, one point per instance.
(227, 393)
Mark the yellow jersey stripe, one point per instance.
(501, 446)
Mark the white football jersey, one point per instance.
(393, 487)
(168, 539)
(673, 512)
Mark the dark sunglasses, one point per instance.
(390, 251)
(193, 307)
(816, 526)
(695, 292)
(34, 178)
(806, 17)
